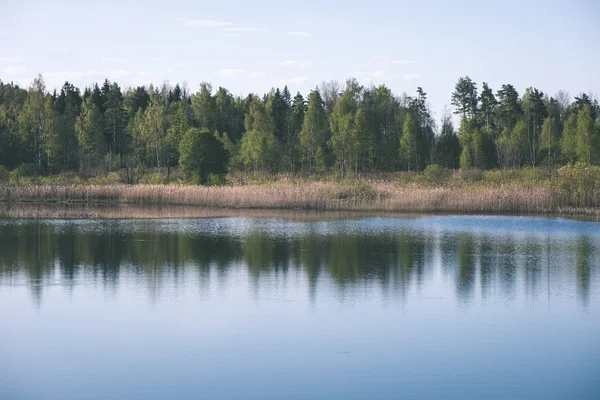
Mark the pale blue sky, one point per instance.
(253, 46)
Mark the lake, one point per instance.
(281, 308)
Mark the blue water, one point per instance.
(263, 308)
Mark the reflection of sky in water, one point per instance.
(453, 307)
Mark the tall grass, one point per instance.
(570, 190)
(362, 196)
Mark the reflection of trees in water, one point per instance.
(465, 281)
(488, 265)
(393, 261)
(507, 266)
(532, 252)
(583, 253)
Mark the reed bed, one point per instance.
(331, 196)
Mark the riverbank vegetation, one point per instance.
(341, 147)
(568, 190)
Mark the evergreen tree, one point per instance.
(68, 107)
(115, 121)
(314, 134)
(509, 108)
(202, 155)
(448, 148)
(294, 127)
(534, 114)
(205, 107)
(487, 108)
(464, 98)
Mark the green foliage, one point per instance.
(435, 175)
(202, 155)
(110, 179)
(342, 131)
(512, 146)
(344, 141)
(216, 180)
(408, 143)
(477, 146)
(464, 98)
(89, 131)
(472, 175)
(259, 147)
(24, 173)
(448, 149)
(353, 190)
(550, 141)
(585, 144)
(314, 134)
(4, 175)
(580, 183)
(153, 179)
(569, 139)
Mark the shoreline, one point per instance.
(374, 198)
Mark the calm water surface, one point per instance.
(266, 308)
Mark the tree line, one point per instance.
(345, 129)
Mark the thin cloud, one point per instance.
(12, 70)
(378, 76)
(410, 77)
(204, 23)
(231, 34)
(15, 59)
(380, 57)
(403, 62)
(244, 30)
(240, 73)
(113, 59)
(295, 63)
(296, 80)
(299, 34)
(112, 74)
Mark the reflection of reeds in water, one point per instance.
(116, 211)
(373, 196)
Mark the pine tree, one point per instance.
(314, 133)
(487, 108)
(115, 121)
(464, 98)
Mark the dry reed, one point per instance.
(361, 196)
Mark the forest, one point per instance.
(341, 130)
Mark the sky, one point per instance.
(252, 46)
